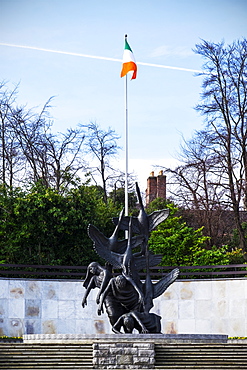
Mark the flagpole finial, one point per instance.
(126, 36)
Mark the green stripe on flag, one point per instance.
(127, 46)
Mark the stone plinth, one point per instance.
(124, 351)
(126, 338)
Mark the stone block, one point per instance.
(66, 291)
(236, 327)
(101, 353)
(49, 309)
(84, 326)
(146, 352)
(203, 309)
(186, 326)
(4, 288)
(66, 310)
(186, 290)
(118, 351)
(236, 308)
(16, 308)
(33, 308)
(221, 309)
(169, 310)
(245, 308)
(49, 327)
(50, 290)
(219, 290)
(186, 309)
(126, 344)
(106, 345)
(32, 326)
(78, 290)
(141, 360)
(171, 292)
(66, 326)
(202, 292)
(3, 307)
(124, 360)
(17, 289)
(99, 326)
(4, 326)
(170, 327)
(220, 325)
(33, 289)
(235, 289)
(143, 345)
(106, 360)
(16, 328)
(203, 326)
(130, 350)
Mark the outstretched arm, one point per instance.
(90, 286)
(138, 320)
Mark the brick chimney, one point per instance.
(156, 187)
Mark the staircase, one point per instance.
(201, 356)
(80, 356)
(45, 356)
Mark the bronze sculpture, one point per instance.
(126, 298)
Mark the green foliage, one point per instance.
(118, 198)
(214, 256)
(41, 226)
(235, 256)
(180, 244)
(160, 203)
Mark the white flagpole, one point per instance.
(126, 149)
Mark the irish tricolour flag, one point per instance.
(129, 63)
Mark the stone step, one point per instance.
(22, 365)
(45, 356)
(200, 356)
(201, 367)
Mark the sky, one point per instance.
(161, 101)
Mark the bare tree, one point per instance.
(102, 146)
(195, 187)
(213, 172)
(29, 151)
(54, 159)
(10, 154)
(224, 106)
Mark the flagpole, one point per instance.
(126, 148)
(129, 64)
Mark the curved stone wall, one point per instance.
(187, 307)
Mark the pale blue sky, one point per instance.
(163, 32)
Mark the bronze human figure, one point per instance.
(127, 298)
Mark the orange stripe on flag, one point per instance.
(128, 67)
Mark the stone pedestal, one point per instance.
(122, 355)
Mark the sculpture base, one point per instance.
(107, 338)
(124, 351)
